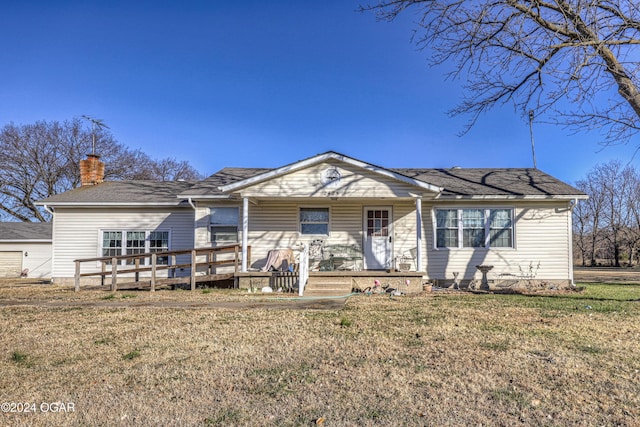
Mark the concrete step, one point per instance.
(329, 281)
(328, 286)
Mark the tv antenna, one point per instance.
(96, 123)
(533, 148)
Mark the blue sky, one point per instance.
(260, 84)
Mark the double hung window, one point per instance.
(224, 225)
(124, 242)
(474, 228)
(314, 221)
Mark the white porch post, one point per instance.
(245, 231)
(419, 233)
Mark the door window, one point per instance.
(378, 223)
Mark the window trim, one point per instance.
(328, 209)
(460, 230)
(123, 249)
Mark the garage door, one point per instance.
(10, 264)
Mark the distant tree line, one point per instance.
(607, 226)
(42, 159)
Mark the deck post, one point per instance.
(104, 271)
(154, 259)
(193, 269)
(245, 232)
(114, 274)
(172, 261)
(77, 277)
(419, 233)
(137, 266)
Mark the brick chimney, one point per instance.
(91, 170)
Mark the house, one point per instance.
(25, 250)
(438, 223)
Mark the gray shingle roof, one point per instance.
(456, 182)
(143, 192)
(25, 231)
(492, 182)
(225, 176)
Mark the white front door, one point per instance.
(377, 238)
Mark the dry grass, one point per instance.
(435, 359)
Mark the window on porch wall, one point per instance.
(314, 221)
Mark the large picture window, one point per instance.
(314, 221)
(474, 228)
(123, 242)
(224, 225)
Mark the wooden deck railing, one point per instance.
(148, 262)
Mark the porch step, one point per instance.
(328, 286)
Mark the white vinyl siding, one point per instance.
(308, 183)
(78, 232)
(540, 237)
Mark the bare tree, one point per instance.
(572, 59)
(582, 231)
(608, 223)
(588, 215)
(42, 159)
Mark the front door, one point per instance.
(377, 238)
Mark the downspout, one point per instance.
(53, 239)
(572, 204)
